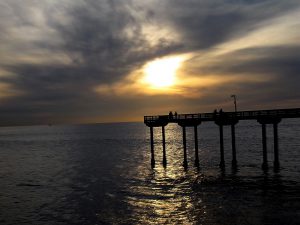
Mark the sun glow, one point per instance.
(161, 73)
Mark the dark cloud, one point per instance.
(204, 24)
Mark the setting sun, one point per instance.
(161, 73)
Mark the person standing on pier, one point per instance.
(170, 115)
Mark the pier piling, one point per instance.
(234, 161)
(164, 146)
(264, 143)
(152, 147)
(276, 157)
(196, 146)
(264, 120)
(184, 147)
(222, 160)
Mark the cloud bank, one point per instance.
(56, 54)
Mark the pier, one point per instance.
(221, 118)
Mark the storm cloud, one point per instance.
(54, 54)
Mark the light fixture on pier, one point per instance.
(234, 101)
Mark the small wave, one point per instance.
(28, 185)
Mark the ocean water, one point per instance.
(101, 174)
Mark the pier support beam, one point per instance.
(234, 161)
(189, 123)
(152, 147)
(263, 120)
(276, 157)
(196, 146)
(222, 119)
(222, 160)
(264, 143)
(184, 147)
(164, 146)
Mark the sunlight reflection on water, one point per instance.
(172, 195)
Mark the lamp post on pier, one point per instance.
(234, 101)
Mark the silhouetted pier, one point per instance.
(221, 119)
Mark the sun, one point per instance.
(161, 73)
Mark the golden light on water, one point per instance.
(161, 73)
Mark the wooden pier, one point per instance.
(221, 119)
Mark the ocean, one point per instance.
(101, 174)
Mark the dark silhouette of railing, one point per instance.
(222, 118)
(240, 115)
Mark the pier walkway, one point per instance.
(221, 119)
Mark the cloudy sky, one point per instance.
(85, 61)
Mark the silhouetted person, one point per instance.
(215, 113)
(175, 114)
(170, 115)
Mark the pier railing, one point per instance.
(240, 115)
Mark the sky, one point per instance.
(89, 61)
